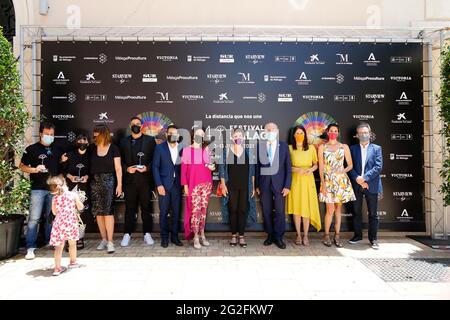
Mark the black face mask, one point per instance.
(172, 138)
(198, 139)
(82, 146)
(136, 129)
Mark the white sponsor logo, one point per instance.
(401, 78)
(216, 77)
(403, 100)
(285, 97)
(270, 78)
(103, 118)
(226, 58)
(122, 77)
(192, 97)
(343, 59)
(63, 117)
(163, 97)
(90, 79)
(303, 79)
(339, 78)
(261, 97)
(363, 117)
(254, 58)
(374, 97)
(285, 58)
(129, 97)
(367, 78)
(371, 61)
(401, 136)
(191, 58)
(394, 156)
(401, 119)
(402, 195)
(70, 97)
(57, 58)
(401, 176)
(167, 58)
(149, 77)
(398, 59)
(180, 77)
(312, 97)
(130, 58)
(344, 97)
(245, 78)
(61, 79)
(95, 97)
(404, 216)
(101, 58)
(314, 59)
(223, 98)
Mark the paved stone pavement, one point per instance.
(222, 272)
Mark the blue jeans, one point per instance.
(41, 202)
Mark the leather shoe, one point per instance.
(280, 244)
(164, 243)
(176, 242)
(268, 241)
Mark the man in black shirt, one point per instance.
(40, 160)
(137, 154)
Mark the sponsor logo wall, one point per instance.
(246, 85)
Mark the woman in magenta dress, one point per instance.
(196, 178)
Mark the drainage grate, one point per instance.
(415, 270)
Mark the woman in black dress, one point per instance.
(106, 182)
(75, 166)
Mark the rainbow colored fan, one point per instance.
(154, 122)
(315, 123)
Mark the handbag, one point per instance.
(81, 227)
(219, 192)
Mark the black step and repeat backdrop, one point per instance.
(228, 84)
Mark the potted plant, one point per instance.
(14, 119)
(444, 114)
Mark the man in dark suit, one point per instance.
(137, 154)
(166, 172)
(365, 177)
(273, 180)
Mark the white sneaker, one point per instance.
(102, 245)
(126, 240)
(30, 254)
(110, 247)
(148, 239)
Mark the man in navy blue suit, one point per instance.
(366, 181)
(273, 181)
(166, 169)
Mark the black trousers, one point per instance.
(372, 204)
(238, 208)
(138, 194)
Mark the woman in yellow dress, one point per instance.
(302, 200)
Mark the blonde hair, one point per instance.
(56, 184)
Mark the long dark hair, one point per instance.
(305, 141)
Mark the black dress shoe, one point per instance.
(355, 240)
(268, 241)
(176, 242)
(280, 244)
(164, 243)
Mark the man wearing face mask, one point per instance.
(40, 160)
(365, 177)
(75, 165)
(137, 154)
(166, 169)
(273, 176)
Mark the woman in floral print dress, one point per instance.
(335, 188)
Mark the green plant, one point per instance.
(14, 119)
(444, 114)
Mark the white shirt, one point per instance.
(274, 149)
(173, 153)
(363, 157)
